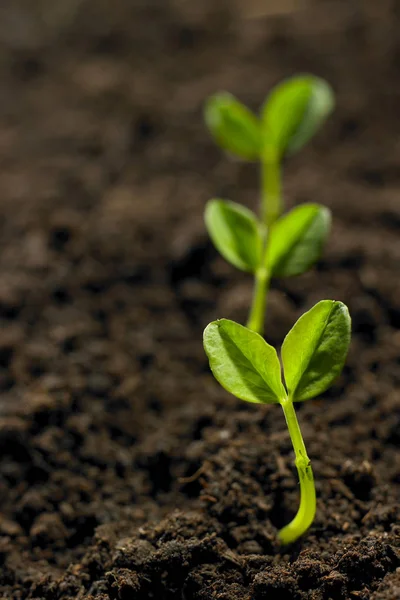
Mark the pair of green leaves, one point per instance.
(313, 355)
(295, 242)
(290, 116)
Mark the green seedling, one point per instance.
(313, 355)
(271, 245)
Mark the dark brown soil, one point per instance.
(125, 470)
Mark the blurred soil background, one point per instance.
(125, 470)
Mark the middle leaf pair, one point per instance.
(295, 240)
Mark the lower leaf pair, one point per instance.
(313, 354)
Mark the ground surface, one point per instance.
(125, 471)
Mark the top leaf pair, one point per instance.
(290, 116)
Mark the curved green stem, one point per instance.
(306, 513)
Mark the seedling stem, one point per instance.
(271, 202)
(259, 301)
(271, 208)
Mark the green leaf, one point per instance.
(294, 111)
(235, 232)
(315, 349)
(243, 363)
(297, 239)
(234, 127)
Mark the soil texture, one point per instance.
(126, 472)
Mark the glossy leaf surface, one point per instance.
(297, 239)
(314, 350)
(233, 126)
(293, 113)
(235, 232)
(243, 363)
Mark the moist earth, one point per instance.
(126, 472)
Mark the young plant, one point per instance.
(272, 245)
(313, 355)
